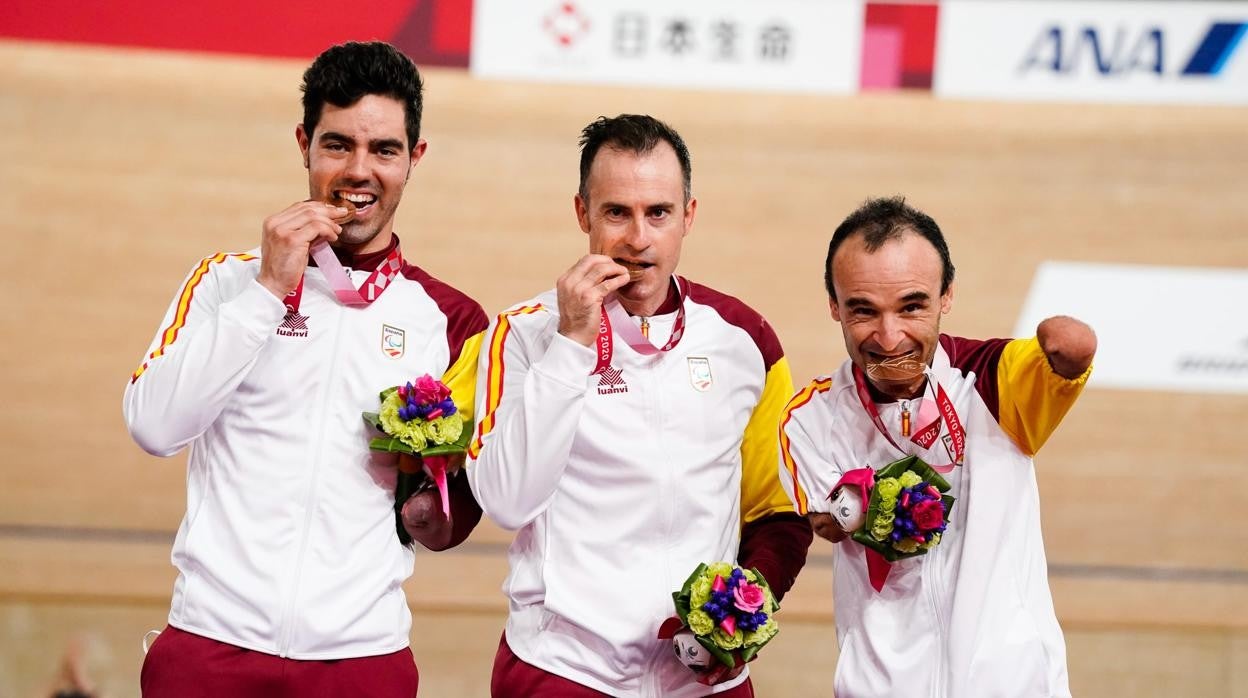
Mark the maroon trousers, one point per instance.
(513, 678)
(183, 665)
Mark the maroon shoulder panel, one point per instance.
(464, 316)
(734, 312)
(980, 356)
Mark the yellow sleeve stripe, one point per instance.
(461, 377)
(762, 493)
(494, 374)
(1032, 399)
(806, 395)
(170, 333)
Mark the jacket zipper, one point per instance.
(654, 684)
(934, 595)
(286, 630)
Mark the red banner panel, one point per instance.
(432, 32)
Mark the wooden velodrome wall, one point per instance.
(120, 169)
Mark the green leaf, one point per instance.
(681, 598)
(896, 468)
(442, 450)
(697, 572)
(374, 419)
(682, 606)
(748, 653)
(389, 444)
(388, 392)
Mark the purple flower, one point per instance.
(715, 611)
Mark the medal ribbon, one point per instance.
(614, 317)
(926, 436)
(340, 283)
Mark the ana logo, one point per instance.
(611, 380)
(1127, 50)
(1214, 50)
(392, 341)
(293, 325)
(700, 373)
(565, 24)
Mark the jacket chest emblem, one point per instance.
(611, 380)
(393, 341)
(293, 325)
(700, 373)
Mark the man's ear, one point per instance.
(304, 140)
(582, 212)
(418, 151)
(691, 209)
(835, 308)
(946, 299)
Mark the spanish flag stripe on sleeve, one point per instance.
(803, 397)
(170, 333)
(461, 376)
(762, 493)
(494, 374)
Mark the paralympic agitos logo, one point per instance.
(1125, 50)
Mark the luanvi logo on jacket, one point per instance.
(611, 380)
(293, 325)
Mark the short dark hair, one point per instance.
(637, 133)
(343, 74)
(881, 220)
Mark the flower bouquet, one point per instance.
(724, 616)
(898, 512)
(420, 419)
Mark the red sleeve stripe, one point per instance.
(804, 396)
(494, 374)
(170, 333)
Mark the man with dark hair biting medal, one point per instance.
(628, 434)
(290, 557)
(973, 616)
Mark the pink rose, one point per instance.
(928, 514)
(430, 391)
(748, 597)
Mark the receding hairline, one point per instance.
(895, 235)
(639, 153)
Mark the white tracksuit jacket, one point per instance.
(288, 545)
(974, 617)
(618, 494)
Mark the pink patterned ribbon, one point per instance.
(615, 320)
(341, 284)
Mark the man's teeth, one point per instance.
(358, 199)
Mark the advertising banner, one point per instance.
(782, 45)
(1160, 52)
